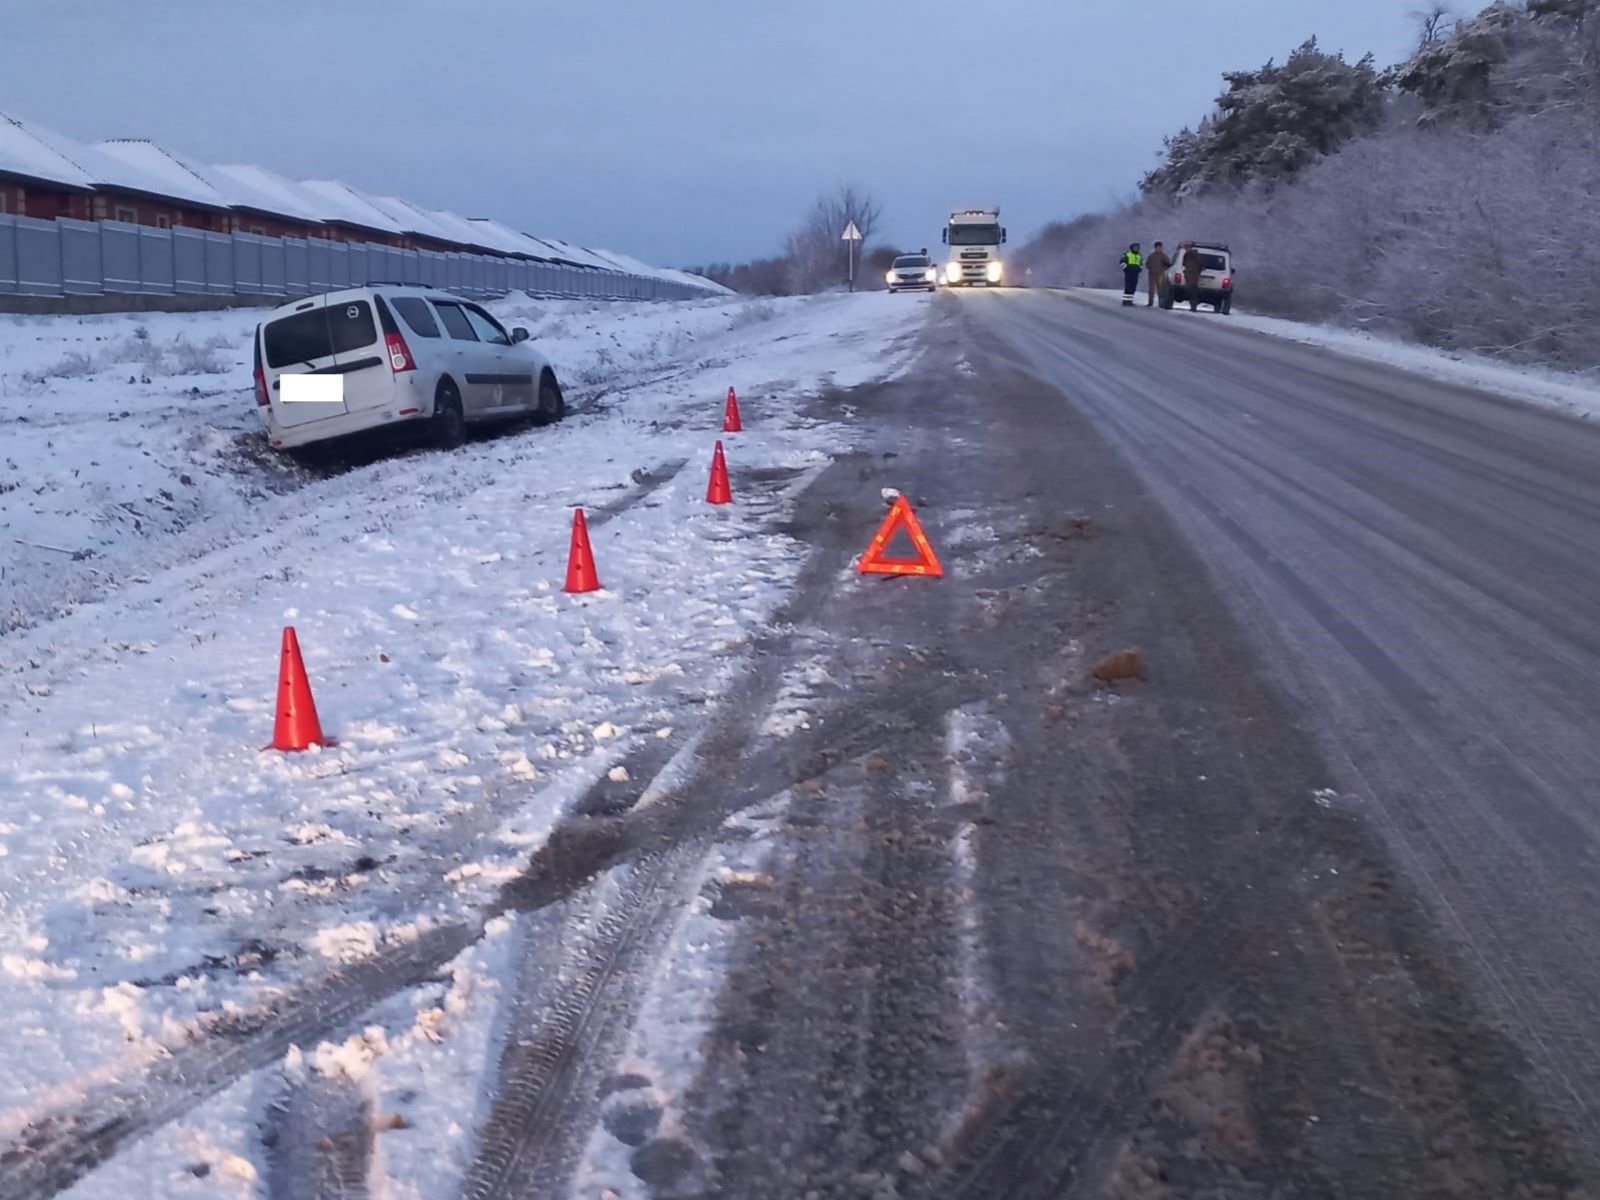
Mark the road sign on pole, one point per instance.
(852, 235)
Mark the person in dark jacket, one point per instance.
(1156, 265)
(1132, 264)
(1192, 267)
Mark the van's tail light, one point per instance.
(262, 399)
(1227, 281)
(1177, 277)
(399, 353)
(394, 341)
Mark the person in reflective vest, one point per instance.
(1132, 264)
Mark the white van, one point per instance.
(379, 356)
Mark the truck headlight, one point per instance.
(994, 271)
(952, 272)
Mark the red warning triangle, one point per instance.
(875, 562)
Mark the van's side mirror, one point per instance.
(1002, 235)
(944, 235)
(519, 334)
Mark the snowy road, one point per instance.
(1418, 564)
(754, 876)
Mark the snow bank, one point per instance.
(158, 866)
(1549, 389)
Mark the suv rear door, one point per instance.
(1214, 268)
(319, 338)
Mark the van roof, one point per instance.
(366, 289)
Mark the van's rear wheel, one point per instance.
(552, 404)
(447, 428)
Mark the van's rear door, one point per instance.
(299, 343)
(340, 338)
(363, 358)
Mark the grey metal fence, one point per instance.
(91, 258)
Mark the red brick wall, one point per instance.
(143, 210)
(244, 222)
(48, 204)
(33, 201)
(339, 233)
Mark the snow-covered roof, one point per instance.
(33, 151)
(344, 204)
(39, 153)
(699, 281)
(182, 177)
(145, 167)
(577, 254)
(502, 237)
(560, 251)
(459, 229)
(411, 218)
(36, 152)
(271, 192)
(631, 265)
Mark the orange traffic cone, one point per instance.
(719, 492)
(581, 575)
(297, 726)
(730, 415)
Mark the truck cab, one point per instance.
(974, 236)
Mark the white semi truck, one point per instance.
(974, 236)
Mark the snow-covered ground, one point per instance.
(1533, 385)
(156, 867)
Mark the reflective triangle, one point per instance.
(875, 562)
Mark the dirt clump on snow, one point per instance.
(1114, 668)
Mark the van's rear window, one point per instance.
(1213, 262)
(417, 315)
(320, 333)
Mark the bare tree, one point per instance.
(816, 250)
(1433, 23)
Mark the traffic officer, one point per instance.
(1132, 264)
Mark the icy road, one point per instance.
(752, 876)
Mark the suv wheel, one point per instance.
(552, 404)
(1226, 307)
(447, 428)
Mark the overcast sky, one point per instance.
(677, 130)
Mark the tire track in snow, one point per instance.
(56, 1149)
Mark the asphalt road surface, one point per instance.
(1305, 911)
(925, 911)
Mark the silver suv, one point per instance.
(1215, 285)
(379, 356)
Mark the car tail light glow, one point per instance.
(1227, 281)
(399, 353)
(1177, 277)
(262, 399)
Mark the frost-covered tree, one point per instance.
(1508, 61)
(1272, 123)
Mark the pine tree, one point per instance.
(1272, 123)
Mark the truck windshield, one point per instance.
(974, 235)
